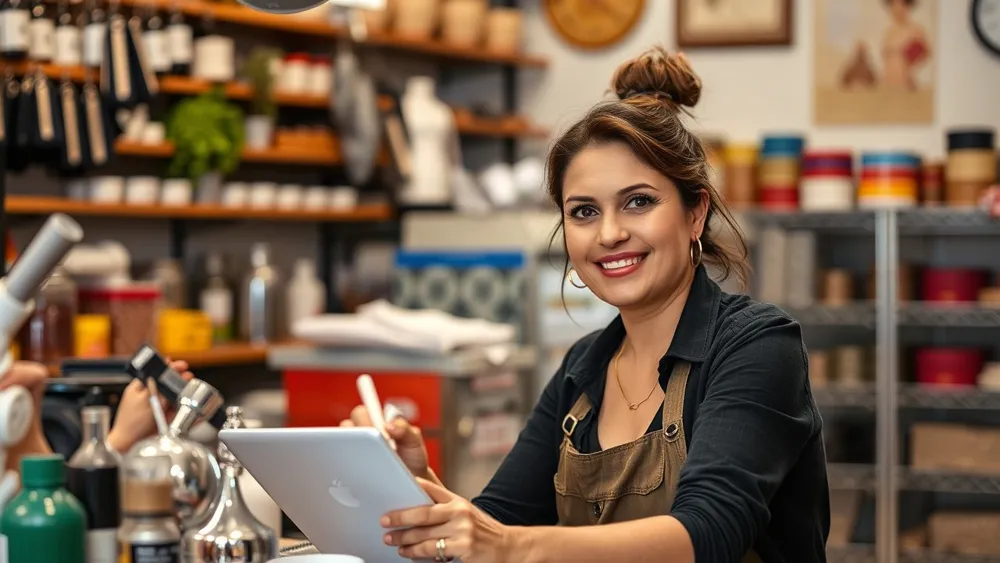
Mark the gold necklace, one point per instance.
(631, 406)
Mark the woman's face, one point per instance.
(627, 231)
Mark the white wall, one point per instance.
(748, 91)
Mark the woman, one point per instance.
(904, 46)
(685, 431)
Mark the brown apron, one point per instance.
(630, 481)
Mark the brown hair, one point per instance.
(653, 91)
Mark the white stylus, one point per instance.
(369, 398)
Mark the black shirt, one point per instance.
(755, 476)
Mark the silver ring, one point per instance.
(441, 546)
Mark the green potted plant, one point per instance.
(259, 71)
(207, 133)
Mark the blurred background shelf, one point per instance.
(31, 205)
(305, 25)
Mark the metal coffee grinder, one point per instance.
(196, 473)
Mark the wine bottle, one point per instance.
(93, 477)
(14, 35)
(180, 36)
(155, 42)
(41, 31)
(68, 44)
(94, 25)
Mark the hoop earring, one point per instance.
(569, 276)
(695, 257)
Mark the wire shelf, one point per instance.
(958, 315)
(916, 396)
(941, 482)
(841, 397)
(851, 221)
(927, 556)
(850, 476)
(850, 554)
(849, 315)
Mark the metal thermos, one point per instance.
(231, 534)
(260, 303)
(149, 532)
(194, 471)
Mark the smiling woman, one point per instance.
(684, 431)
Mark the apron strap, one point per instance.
(580, 409)
(673, 399)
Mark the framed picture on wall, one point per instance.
(874, 62)
(733, 23)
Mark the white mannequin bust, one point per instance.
(430, 125)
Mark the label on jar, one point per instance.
(14, 31)
(218, 305)
(67, 45)
(162, 552)
(42, 33)
(157, 49)
(93, 44)
(181, 38)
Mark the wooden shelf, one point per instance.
(38, 205)
(236, 354)
(269, 156)
(305, 25)
(489, 128)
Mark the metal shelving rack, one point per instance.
(887, 398)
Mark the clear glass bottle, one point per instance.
(231, 528)
(217, 299)
(48, 335)
(168, 273)
(149, 532)
(261, 307)
(92, 475)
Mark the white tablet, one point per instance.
(335, 484)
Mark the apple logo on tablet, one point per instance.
(342, 494)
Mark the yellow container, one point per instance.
(183, 331)
(741, 154)
(92, 336)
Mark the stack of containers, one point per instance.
(971, 166)
(740, 176)
(888, 180)
(778, 173)
(827, 181)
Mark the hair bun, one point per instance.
(658, 74)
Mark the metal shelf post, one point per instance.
(887, 378)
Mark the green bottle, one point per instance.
(44, 522)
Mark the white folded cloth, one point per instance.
(380, 324)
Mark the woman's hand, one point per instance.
(134, 420)
(409, 442)
(991, 201)
(33, 377)
(469, 534)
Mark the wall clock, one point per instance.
(986, 24)
(592, 24)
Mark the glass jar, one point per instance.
(48, 333)
(168, 274)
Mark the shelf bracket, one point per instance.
(887, 387)
(178, 238)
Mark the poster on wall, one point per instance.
(874, 62)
